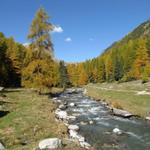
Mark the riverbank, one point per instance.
(26, 118)
(90, 121)
(131, 96)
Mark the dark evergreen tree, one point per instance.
(64, 81)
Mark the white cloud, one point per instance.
(26, 44)
(68, 39)
(58, 29)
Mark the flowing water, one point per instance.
(96, 125)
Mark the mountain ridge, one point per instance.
(125, 60)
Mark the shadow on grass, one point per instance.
(51, 95)
(3, 113)
(10, 91)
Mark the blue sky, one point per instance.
(84, 27)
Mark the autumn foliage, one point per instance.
(34, 65)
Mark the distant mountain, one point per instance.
(125, 60)
(129, 58)
(142, 30)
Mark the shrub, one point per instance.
(145, 78)
(116, 104)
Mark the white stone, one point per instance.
(91, 122)
(65, 103)
(83, 123)
(2, 146)
(122, 113)
(73, 127)
(143, 93)
(85, 145)
(59, 101)
(73, 134)
(71, 117)
(70, 91)
(81, 138)
(62, 107)
(50, 143)
(72, 104)
(117, 131)
(1, 88)
(61, 114)
(76, 114)
(85, 91)
(66, 124)
(147, 118)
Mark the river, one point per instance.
(97, 123)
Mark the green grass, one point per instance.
(30, 120)
(123, 95)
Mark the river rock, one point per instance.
(59, 101)
(76, 114)
(147, 118)
(72, 104)
(104, 103)
(1, 88)
(122, 113)
(65, 103)
(85, 91)
(61, 114)
(85, 145)
(73, 134)
(62, 107)
(143, 93)
(91, 122)
(50, 143)
(71, 118)
(71, 91)
(83, 123)
(117, 131)
(2, 146)
(73, 127)
(81, 138)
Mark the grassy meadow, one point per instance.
(30, 118)
(123, 96)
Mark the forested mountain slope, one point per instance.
(125, 60)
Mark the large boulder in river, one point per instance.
(121, 113)
(50, 143)
(73, 127)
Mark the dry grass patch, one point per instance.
(122, 96)
(30, 120)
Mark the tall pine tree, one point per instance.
(40, 33)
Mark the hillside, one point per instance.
(143, 30)
(125, 60)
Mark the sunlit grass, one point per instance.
(30, 120)
(125, 95)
